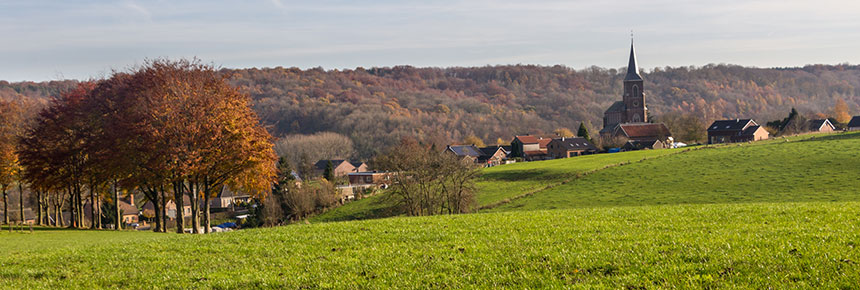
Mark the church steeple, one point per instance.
(632, 66)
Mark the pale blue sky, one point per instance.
(45, 40)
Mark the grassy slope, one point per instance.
(503, 182)
(824, 168)
(726, 245)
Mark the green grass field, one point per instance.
(755, 245)
(824, 168)
(773, 214)
(502, 183)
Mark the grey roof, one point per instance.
(730, 125)
(632, 66)
(465, 150)
(490, 150)
(576, 143)
(750, 130)
(616, 107)
(855, 122)
(356, 163)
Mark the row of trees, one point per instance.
(168, 129)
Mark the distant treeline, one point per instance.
(377, 107)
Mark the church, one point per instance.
(628, 118)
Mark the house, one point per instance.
(529, 147)
(569, 147)
(149, 211)
(226, 198)
(470, 152)
(854, 124)
(379, 178)
(341, 167)
(821, 125)
(737, 130)
(643, 144)
(129, 213)
(485, 156)
(492, 155)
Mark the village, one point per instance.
(627, 127)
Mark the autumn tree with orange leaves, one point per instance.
(182, 129)
(169, 129)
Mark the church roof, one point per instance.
(632, 67)
(616, 107)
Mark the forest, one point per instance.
(377, 107)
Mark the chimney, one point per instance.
(131, 199)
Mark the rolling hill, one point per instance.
(780, 212)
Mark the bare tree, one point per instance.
(319, 146)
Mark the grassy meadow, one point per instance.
(500, 184)
(753, 245)
(806, 168)
(783, 213)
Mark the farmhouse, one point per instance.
(821, 125)
(854, 124)
(341, 167)
(529, 147)
(737, 130)
(570, 147)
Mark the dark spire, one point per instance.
(632, 67)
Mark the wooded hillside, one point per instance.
(376, 107)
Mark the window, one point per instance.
(636, 118)
(635, 90)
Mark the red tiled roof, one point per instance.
(543, 142)
(641, 130)
(528, 139)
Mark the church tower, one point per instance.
(634, 95)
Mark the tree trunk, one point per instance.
(5, 208)
(39, 206)
(98, 212)
(21, 202)
(207, 215)
(72, 215)
(180, 207)
(164, 216)
(195, 207)
(117, 212)
(82, 223)
(155, 209)
(92, 207)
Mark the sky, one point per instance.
(80, 39)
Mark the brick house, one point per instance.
(737, 130)
(485, 156)
(569, 147)
(492, 155)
